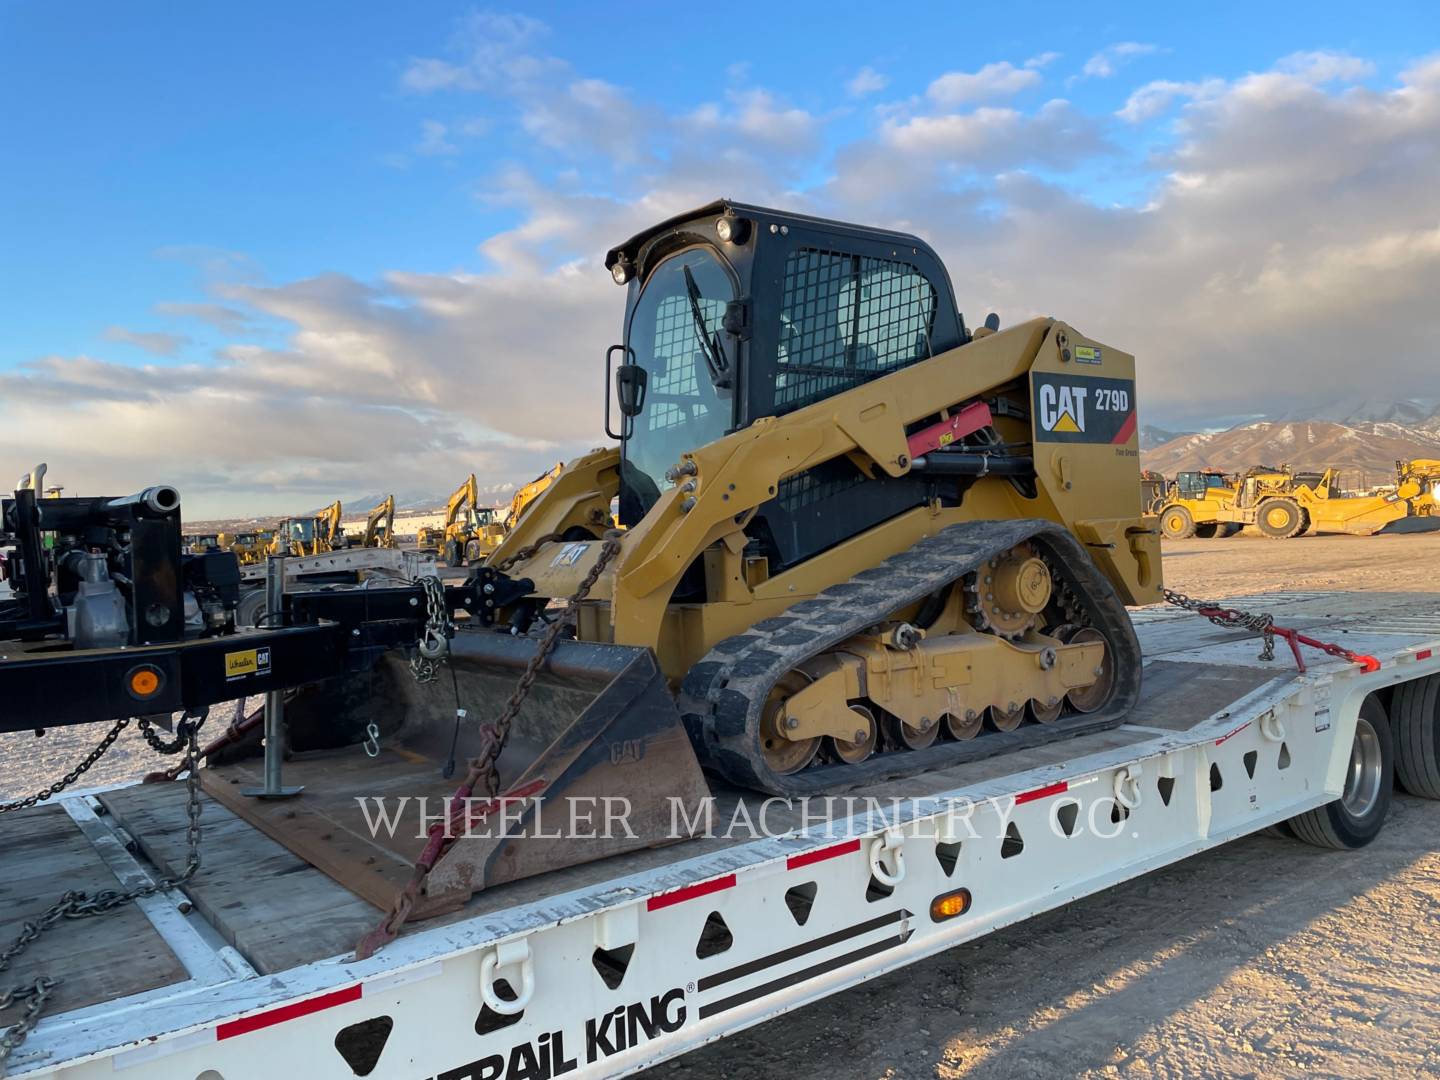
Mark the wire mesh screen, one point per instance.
(678, 350)
(846, 319)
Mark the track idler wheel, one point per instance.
(784, 755)
(1088, 699)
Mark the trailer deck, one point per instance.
(610, 966)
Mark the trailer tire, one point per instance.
(1279, 519)
(1229, 529)
(1208, 531)
(1356, 817)
(1176, 523)
(1415, 724)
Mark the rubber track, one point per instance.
(723, 694)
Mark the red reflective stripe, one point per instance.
(1424, 654)
(1232, 734)
(794, 862)
(1045, 792)
(287, 1012)
(690, 892)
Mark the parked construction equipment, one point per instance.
(527, 494)
(470, 532)
(861, 541)
(379, 525)
(1283, 503)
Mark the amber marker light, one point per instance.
(143, 682)
(950, 904)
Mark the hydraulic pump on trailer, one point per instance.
(108, 616)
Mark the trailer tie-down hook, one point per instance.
(1127, 787)
(891, 842)
(506, 955)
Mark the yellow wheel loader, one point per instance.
(861, 539)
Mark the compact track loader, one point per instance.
(860, 539)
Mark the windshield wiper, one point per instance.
(714, 358)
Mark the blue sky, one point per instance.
(157, 157)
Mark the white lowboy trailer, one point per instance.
(608, 977)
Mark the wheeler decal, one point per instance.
(247, 662)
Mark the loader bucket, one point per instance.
(599, 728)
(599, 724)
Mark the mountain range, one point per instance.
(1363, 439)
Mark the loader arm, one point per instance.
(734, 476)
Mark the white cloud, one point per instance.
(1289, 243)
(1110, 59)
(434, 141)
(226, 319)
(1154, 98)
(866, 81)
(155, 342)
(996, 80)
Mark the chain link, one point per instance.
(494, 736)
(71, 776)
(79, 905)
(1262, 624)
(435, 638)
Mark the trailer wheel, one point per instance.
(1355, 818)
(1208, 531)
(1415, 724)
(1177, 524)
(1229, 529)
(1279, 519)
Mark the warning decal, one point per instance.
(1083, 408)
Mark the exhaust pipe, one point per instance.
(160, 499)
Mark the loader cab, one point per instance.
(736, 312)
(1195, 485)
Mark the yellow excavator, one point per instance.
(862, 539)
(379, 525)
(1283, 503)
(524, 496)
(471, 531)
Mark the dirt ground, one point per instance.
(1263, 958)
